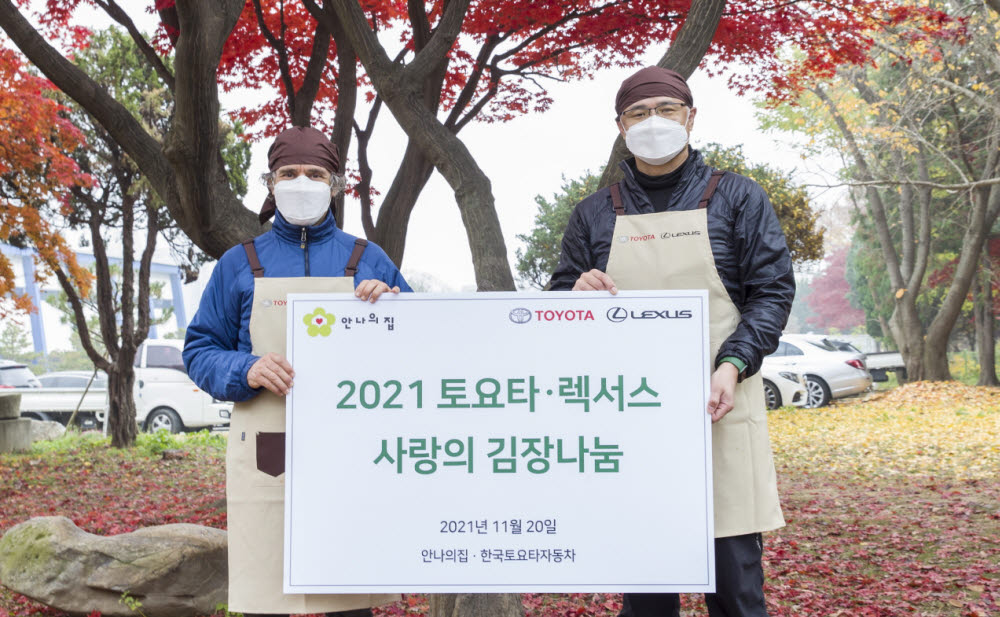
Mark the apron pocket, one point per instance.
(271, 453)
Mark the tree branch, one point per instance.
(306, 96)
(362, 37)
(145, 265)
(278, 45)
(968, 93)
(364, 169)
(80, 321)
(118, 14)
(421, 26)
(106, 311)
(875, 204)
(964, 186)
(430, 57)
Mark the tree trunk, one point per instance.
(394, 213)
(401, 89)
(908, 333)
(121, 405)
(936, 361)
(985, 325)
(476, 605)
(985, 207)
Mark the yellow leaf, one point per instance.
(899, 293)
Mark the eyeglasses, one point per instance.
(664, 110)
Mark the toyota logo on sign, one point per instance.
(617, 314)
(520, 315)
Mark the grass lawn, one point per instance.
(892, 504)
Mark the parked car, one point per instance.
(165, 397)
(879, 363)
(62, 392)
(16, 375)
(828, 372)
(782, 386)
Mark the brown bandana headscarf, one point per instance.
(299, 145)
(649, 82)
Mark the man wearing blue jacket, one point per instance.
(303, 241)
(235, 346)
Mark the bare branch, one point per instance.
(968, 93)
(278, 45)
(964, 186)
(80, 320)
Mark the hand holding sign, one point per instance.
(271, 372)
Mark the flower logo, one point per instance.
(320, 323)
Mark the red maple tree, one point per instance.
(944, 275)
(35, 172)
(510, 48)
(829, 300)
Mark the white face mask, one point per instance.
(302, 201)
(656, 140)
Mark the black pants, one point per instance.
(739, 585)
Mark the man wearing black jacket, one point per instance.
(675, 223)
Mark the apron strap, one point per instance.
(352, 263)
(616, 199)
(255, 266)
(713, 183)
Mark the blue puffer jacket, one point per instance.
(217, 346)
(748, 245)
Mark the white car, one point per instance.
(63, 392)
(782, 386)
(16, 375)
(165, 397)
(829, 373)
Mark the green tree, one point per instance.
(920, 129)
(791, 202)
(537, 261)
(15, 343)
(799, 220)
(121, 209)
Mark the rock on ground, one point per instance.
(172, 570)
(46, 430)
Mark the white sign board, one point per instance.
(499, 442)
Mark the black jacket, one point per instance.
(747, 242)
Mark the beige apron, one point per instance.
(255, 461)
(680, 257)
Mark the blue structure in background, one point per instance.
(38, 295)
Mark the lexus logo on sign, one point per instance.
(520, 315)
(617, 314)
